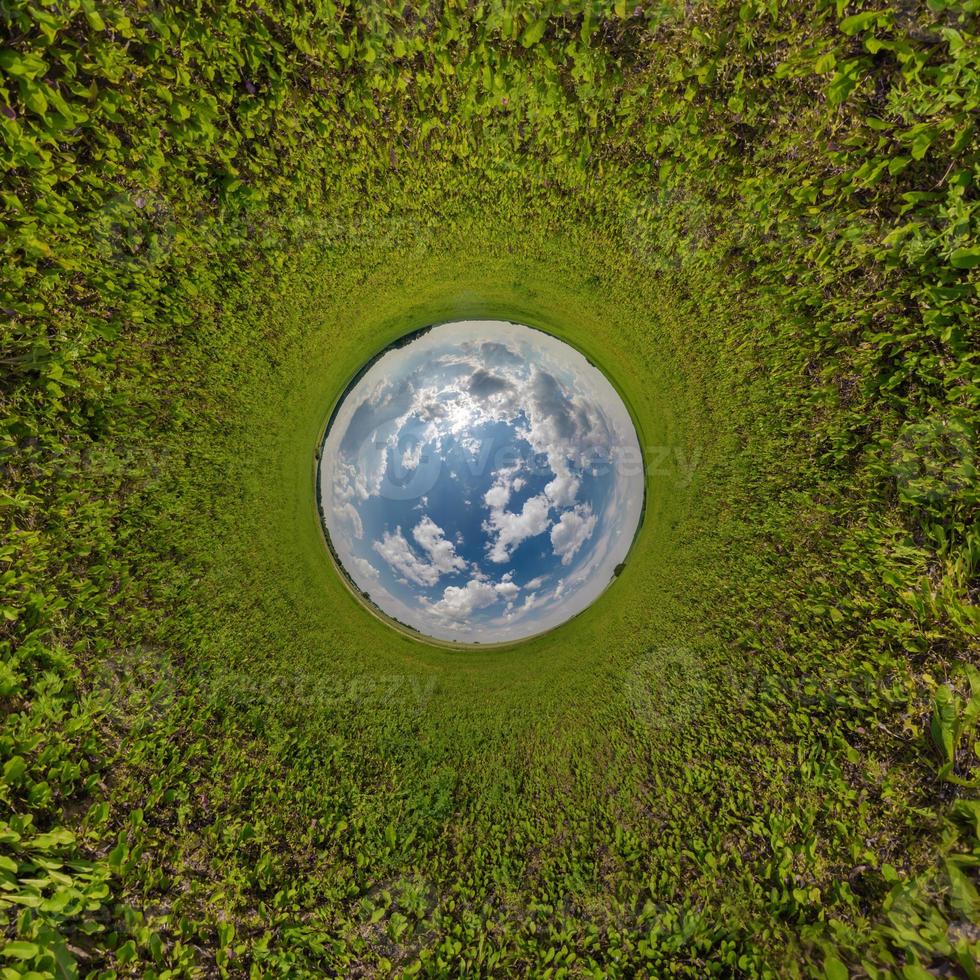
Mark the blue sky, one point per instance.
(481, 482)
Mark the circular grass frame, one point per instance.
(271, 580)
(371, 606)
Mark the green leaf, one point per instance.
(963, 895)
(534, 32)
(93, 17)
(825, 63)
(20, 950)
(833, 969)
(14, 770)
(843, 83)
(127, 952)
(965, 258)
(921, 143)
(117, 856)
(59, 837)
(859, 22)
(22, 65)
(35, 99)
(968, 812)
(943, 724)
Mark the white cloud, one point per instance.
(442, 553)
(572, 531)
(497, 496)
(412, 456)
(559, 424)
(510, 528)
(398, 553)
(365, 567)
(458, 603)
(535, 583)
(563, 489)
(396, 550)
(348, 513)
(506, 483)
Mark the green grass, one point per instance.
(755, 754)
(275, 534)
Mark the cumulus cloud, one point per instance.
(550, 401)
(572, 531)
(458, 603)
(347, 513)
(432, 540)
(365, 568)
(412, 455)
(509, 529)
(500, 355)
(507, 482)
(497, 496)
(382, 407)
(483, 384)
(398, 553)
(563, 489)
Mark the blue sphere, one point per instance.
(480, 481)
